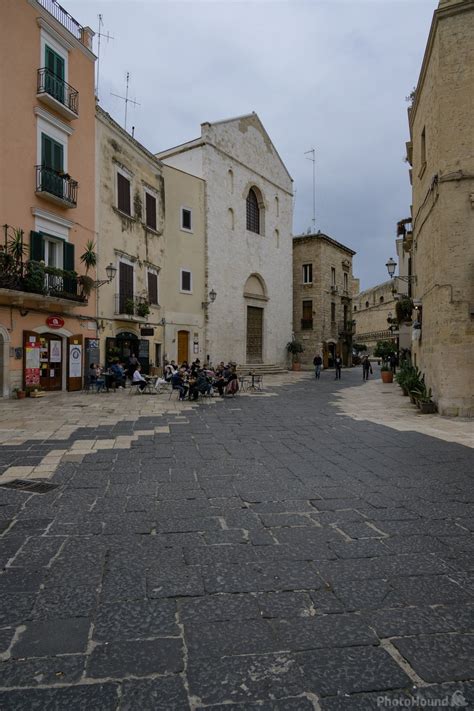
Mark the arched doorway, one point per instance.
(126, 344)
(329, 354)
(183, 346)
(255, 293)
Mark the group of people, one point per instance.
(194, 380)
(102, 378)
(366, 365)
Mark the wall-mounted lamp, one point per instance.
(212, 298)
(392, 265)
(111, 272)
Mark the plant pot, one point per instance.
(427, 408)
(405, 392)
(412, 399)
(296, 366)
(20, 394)
(387, 376)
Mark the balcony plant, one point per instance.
(143, 309)
(129, 306)
(295, 348)
(404, 309)
(89, 256)
(34, 280)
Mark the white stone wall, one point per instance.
(233, 252)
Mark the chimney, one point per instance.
(86, 37)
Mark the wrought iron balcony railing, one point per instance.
(59, 186)
(19, 274)
(306, 324)
(62, 16)
(49, 83)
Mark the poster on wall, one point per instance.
(55, 351)
(75, 361)
(32, 364)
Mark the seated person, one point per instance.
(232, 386)
(137, 379)
(177, 383)
(118, 374)
(203, 385)
(192, 383)
(222, 378)
(92, 374)
(99, 378)
(169, 370)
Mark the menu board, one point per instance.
(32, 363)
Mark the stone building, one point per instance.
(441, 238)
(322, 297)
(130, 223)
(248, 239)
(183, 296)
(47, 195)
(371, 309)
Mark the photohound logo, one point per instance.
(453, 701)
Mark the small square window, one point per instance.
(186, 281)
(186, 220)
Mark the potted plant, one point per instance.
(20, 393)
(404, 310)
(386, 374)
(295, 348)
(143, 309)
(129, 306)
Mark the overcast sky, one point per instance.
(330, 75)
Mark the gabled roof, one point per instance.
(188, 145)
(326, 238)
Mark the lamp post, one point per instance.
(392, 265)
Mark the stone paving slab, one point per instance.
(257, 553)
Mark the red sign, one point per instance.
(55, 322)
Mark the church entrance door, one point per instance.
(254, 334)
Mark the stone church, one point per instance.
(248, 245)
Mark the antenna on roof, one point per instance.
(108, 37)
(126, 99)
(313, 160)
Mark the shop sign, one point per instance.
(147, 332)
(55, 322)
(75, 361)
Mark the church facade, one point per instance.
(248, 214)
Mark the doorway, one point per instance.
(183, 346)
(254, 334)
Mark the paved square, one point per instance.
(264, 552)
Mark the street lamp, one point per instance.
(392, 265)
(212, 295)
(111, 271)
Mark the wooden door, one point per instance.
(254, 334)
(75, 359)
(183, 346)
(51, 361)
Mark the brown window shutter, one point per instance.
(152, 288)
(150, 211)
(123, 194)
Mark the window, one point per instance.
(277, 206)
(355, 308)
(186, 281)
(125, 300)
(230, 218)
(333, 276)
(153, 287)
(54, 76)
(230, 180)
(150, 211)
(253, 212)
(307, 273)
(366, 304)
(186, 219)
(423, 147)
(123, 194)
(52, 162)
(333, 312)
(346, 282)
(381, 299)
(307, 317)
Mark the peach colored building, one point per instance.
(47, 196)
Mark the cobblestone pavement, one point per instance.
(263, 553)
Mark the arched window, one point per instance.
(381, 299)
(230, 218)
(253, 212)
(366, 304)
(277, 206)
(277, 238)
(355, 308)
(230, 180)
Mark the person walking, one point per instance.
(366, 368)
(338, 366)
(317, 362)
(393, 362)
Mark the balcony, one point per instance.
(56, 187)
(57, 94)
(137, 308)
(306, 324)
(62, 16)
(346, 329)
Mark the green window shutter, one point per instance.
(70, 285)
(46, 151)
(54, 62)
(58, 156)
(36, 246)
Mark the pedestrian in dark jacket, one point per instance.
(338, 366)
(366, 368)
(317, 362)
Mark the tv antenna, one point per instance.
(126, 99)
(312, 158)
(100, 33)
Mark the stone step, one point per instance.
(260, 368)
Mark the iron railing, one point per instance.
(306, 324)
(58, 184)
(49, 83)
(62, 16)
(346, 328)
